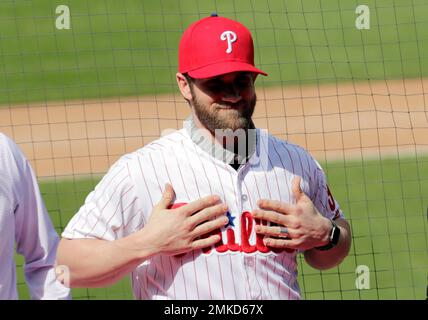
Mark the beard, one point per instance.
(225, 115)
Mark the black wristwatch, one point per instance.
(334, 237)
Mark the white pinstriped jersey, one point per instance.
(239, 266)
(24, 222)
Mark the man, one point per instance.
(199, 214)
(24, 221)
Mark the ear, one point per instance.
(184, 86)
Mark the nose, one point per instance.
(232, 95)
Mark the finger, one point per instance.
(280, 243)
(271, 216)
(297, 191)
(205, 242)
(275, 205)
(207, 214)
(167, 197)
(275, 231)
(199, 204)
(209, 226)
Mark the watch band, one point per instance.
(333, 238)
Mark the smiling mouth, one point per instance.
(230, 107)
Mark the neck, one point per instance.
(228, 139)
(228, 146)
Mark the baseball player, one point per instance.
(25, 222)
(216, 210)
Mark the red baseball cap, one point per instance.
(214, 46)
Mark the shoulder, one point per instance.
(172, 140)
(9, 151)
(290, 149)
(295, 159)
(13, 165)
(168, 145)
(6, 144)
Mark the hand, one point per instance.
(307, 228)
(177, 231)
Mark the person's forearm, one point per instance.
(97, 263)
(330, 258)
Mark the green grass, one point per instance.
(129, 47)
(384, 200)
(386, 203)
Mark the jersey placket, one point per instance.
(248, 260)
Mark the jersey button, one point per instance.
(244, 197)
(250, 263)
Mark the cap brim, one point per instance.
(217, 69)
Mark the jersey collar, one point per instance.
(216, 150)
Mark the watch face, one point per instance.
(335, 235)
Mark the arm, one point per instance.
(35, 236)
(322, 260)
(96, 263)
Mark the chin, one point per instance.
(235, 125)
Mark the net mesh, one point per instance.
(348, 85)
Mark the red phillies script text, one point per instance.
(247, 222)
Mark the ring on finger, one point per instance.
(283, 230)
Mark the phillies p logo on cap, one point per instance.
(230, 36)
(214, 46)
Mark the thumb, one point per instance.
(167, 197)
(297, 191)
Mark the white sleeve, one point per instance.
(111, 211)
(322, 197)
(35, 236)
